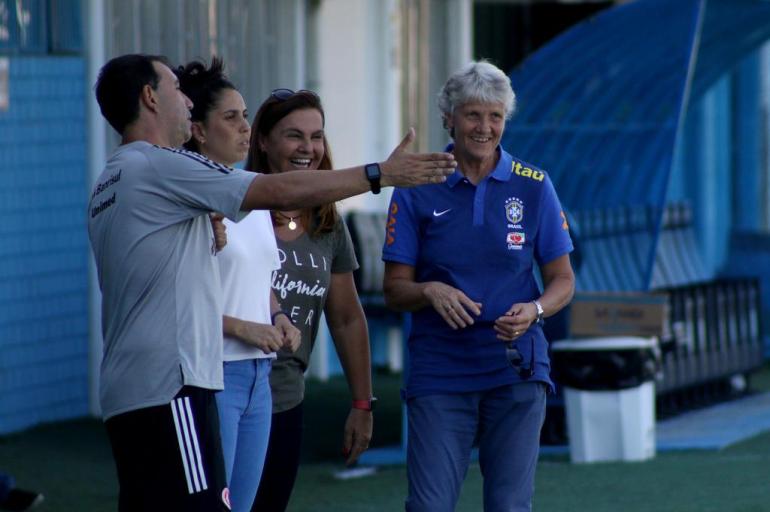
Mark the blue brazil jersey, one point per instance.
(484, 240)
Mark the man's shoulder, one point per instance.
(191, 159)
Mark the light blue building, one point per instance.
(691, 95)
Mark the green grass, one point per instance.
(71, 463)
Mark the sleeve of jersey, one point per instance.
(344, 257)
(553, 238)
(200, 184)
(402, 230)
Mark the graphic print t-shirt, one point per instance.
(301, 286)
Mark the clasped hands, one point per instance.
(458, 311)
(271, 338)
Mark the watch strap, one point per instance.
(373, 173)
(279, 312)
(539, 311)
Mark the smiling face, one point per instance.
(296, 142)
(478, 128)
(173, 107)
(224, 135)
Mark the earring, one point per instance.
(201, 141)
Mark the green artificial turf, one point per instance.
(71, 464)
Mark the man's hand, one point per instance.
(403, 169)
(515, 321)
(452, 304)
(358, 433)
(291, 336)
(220, 231)
(266, 337)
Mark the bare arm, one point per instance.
(403, 293)
(559, 283)
(559, 287)
(301, 189)
(348, 328)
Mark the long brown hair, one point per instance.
(320, 219)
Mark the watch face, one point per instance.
(373, 174)
(372, 171)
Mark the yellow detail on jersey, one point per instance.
(526, 172)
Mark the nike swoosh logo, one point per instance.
(439, 214)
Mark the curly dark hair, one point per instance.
(204, 87)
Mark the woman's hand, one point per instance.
(358, 433)
(263, 336)
(290, 335)
(220, 231)
(515, 321)
(452, 304)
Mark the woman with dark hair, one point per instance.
(254, 325)
(316, 275)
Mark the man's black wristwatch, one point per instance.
(373, 174)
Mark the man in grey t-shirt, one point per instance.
(162, 310)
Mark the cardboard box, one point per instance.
(619, 314)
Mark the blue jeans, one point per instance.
(507, 422)
(245, 409)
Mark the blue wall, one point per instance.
(43, 244)
(702, 171)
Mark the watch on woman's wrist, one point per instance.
(539, 311)
(280, 312)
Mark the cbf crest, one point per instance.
(514, 210)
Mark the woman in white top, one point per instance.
(254, 325)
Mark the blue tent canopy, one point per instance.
(601, 108)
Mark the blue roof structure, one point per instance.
(601, 108)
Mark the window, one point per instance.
(34, 27)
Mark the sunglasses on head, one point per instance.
(285, 94)
(517, 360)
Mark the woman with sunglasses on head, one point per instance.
(254, 326)
(460, 256)
(316, 276)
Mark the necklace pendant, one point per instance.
(292, 225)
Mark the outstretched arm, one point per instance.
(300, 189)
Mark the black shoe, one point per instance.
(20, 500)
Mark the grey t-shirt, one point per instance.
(161, 296)
(301, 286)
